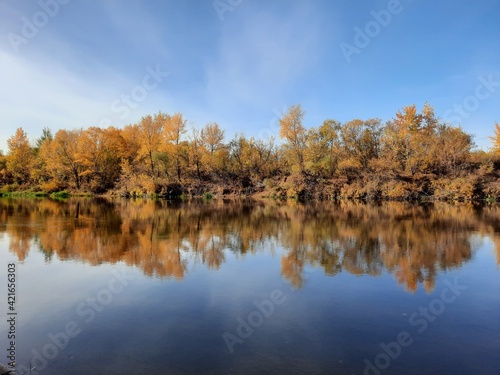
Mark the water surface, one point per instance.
(249, 288)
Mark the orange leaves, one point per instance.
(156, 152)
(20, 157)
(408, 119)
(496, 139)
(212, 137)
(150, 140)
(417, 143)
(174, 128)
(100, 152)
(63, 163)
(293, 131)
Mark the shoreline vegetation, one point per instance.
(414, 156)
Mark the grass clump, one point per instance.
(23, 194)
(60, 195)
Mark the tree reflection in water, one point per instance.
(412, 242)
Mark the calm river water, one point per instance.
(144, 287)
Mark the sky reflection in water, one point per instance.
(153, 287)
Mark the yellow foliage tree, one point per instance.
(174, 129)
(20, 157)
(150, 138)
(100, 152)
(408, 139)
(212, 137)
(496, 139)
(293, 131)
(323, 148)
(63, 161)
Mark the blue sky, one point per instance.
(241, 63)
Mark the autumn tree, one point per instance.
(150, 137)
(131, 143)
(360, 143)
(264, 158)
(20, 156)
(252, 158)
(174, 129)
(292, 130)
(4, 171)
(323, 148)
(63, 161)
(196, 152)
(100, 153)
(413, 149)
(212, 137)
(240, 156)
(452, 151)
(407, 140)
(39, 171)
(496, 140)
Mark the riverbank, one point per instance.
(42, 194)
(301, 187)
(481, 186)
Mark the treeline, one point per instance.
(414, 155)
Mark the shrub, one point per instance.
(50, 187)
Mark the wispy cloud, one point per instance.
(258, 60)
(35, 96)
(264, 56)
